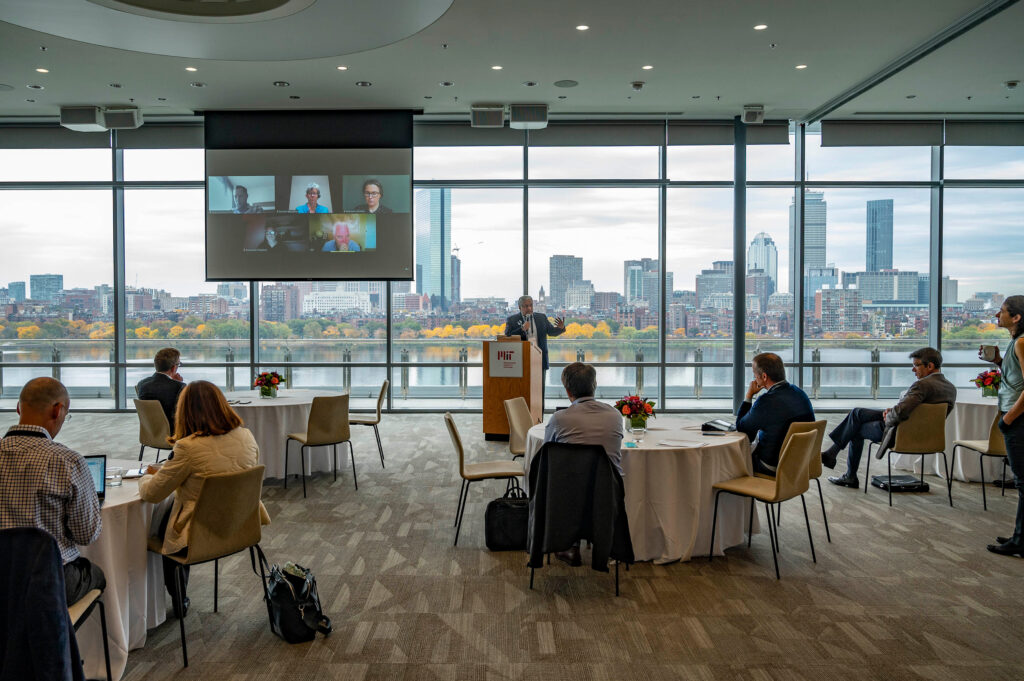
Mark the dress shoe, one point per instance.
(1003, 540)
(1007, 549)
(844, 481)
(570, 557)
(828, 459)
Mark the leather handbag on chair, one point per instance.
(506, 520)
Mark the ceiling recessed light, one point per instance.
(115, 85)
(281, 83)
(911, 96)
(561, 96)
(801, 66)
(161, 99)
(191, 68)
(294, 97)
(447, 83)
(647, 67)
(428, 97)
(42, 70)
(35, 87)
(694, 96)
(530, 83)
(363, 83)
(196, 83)
(31, 101)
(496, 68)
(760, 27)
(566, 83)
(343, 68)
(582, 27)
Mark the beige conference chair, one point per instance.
(80, 611)
(226, 520)
(327, 425)
(519, 421)
(923, 433)
(791, 480)
(153, 427)
(472, 472)
(374, 420)
(995, 446)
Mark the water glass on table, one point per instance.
(114, 476)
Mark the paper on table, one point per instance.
(681, 443)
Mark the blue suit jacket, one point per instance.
(769, 417)
(544, 329)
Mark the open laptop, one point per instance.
(98, 469)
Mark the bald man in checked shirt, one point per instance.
(47, 485)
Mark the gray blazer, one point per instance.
(932, 389)
(588, 422)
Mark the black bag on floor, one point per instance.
(293, 603)
(506, 520)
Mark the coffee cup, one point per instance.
(988, 353)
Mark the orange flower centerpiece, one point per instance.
(268, 382)
(988, 381)
(637, 410)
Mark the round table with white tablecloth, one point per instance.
(971, 419)
(135, 598)
(669, 498)
(272, 419)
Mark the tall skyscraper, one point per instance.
(764, 255)
(16, 291)
(434, 245)
(456, 270)
(815, 214)
(879, 244)
(563, 271)
(46, 286)
(632, 277)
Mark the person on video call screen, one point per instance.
(341, 240)
(242, 205)
(312, 201)
(373, 192)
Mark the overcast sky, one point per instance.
(983, 245)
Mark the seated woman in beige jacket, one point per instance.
(208, 439)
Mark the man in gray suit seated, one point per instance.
(931, 387)
(585, 422)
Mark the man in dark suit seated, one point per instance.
(931, 387)
(166, 384)
(768, 419)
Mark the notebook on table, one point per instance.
(98, 469)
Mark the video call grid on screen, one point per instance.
(304, 214)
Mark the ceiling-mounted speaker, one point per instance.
(753, 114)
(487, 116)
(528, 116)
(82, 118)
(122, 118)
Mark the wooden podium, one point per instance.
(512, 368)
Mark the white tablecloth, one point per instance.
(669, 499)
(971, 420)
(135, 598)
(271, 420)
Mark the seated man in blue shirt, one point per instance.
(768, 419)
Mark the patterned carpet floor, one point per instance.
(907, 592)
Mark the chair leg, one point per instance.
(778, 515)
(949, 474)
(750, 523)
(142, 449)
(216, 581)
(714, 521)
(981, 465)
(808, 521)
(616, 578)
(458, 504)
(824, 515)
(334, 459)
(179, 577)
(288, 440)
(380, 447)
(867, 470)
(302, 467)
(106, 646)
(462, 512)
(772, 538)
(352, 454)
(888, 461)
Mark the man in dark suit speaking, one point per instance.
(533, 327)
